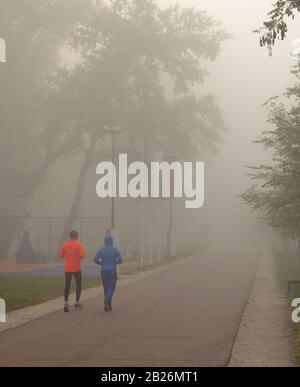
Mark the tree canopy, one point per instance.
(277, 188)
(276, 27)
(137, 70)
(34, 32)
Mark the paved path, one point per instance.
(23, 316)
(266, 335)
(187, 315)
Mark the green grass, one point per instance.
(23, 291)
(297, 329)
(285, 265)
(292, 296)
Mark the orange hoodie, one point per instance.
(73, 252)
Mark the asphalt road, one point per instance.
(186, 316)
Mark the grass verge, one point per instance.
(23, 291)
(287, 264)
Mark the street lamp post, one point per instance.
(171, 241)
(113, 220)
(113, 132)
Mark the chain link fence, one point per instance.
(44, 234)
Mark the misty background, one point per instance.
(242, 78)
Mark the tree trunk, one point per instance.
(39, 176)
(74, 210)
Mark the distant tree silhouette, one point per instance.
(140, 65)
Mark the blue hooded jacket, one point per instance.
(108, 257)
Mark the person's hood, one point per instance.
(109, 241)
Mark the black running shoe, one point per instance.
(106, 306)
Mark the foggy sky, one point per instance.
(243, 78)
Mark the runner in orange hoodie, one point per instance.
(73, 252)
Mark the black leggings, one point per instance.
(68, 279)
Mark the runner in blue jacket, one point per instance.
(108, 257)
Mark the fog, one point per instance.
(242, 78)
(127, 129)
